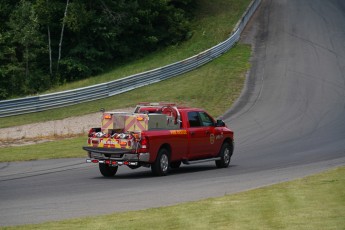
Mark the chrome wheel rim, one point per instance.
(226, 156)
(164, 163)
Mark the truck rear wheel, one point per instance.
(161, 165)
(225, 155)
(107, 171)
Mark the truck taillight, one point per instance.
(91, 132)
(144, 145)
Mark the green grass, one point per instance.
(67, 148)
(213, 24)
(315, 202)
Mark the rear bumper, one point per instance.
(116, 154)
(106, 150)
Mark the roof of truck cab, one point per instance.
(189, 109)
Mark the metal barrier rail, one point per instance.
(95, 92)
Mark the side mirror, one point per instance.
(220, 123)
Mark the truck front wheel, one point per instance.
(225, 156)
(107, 171)
(161, 165)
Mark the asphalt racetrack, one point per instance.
(289, 122)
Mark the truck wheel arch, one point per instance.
(231, 144)
(167, 147)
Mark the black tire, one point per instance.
(225, 155)
(134, 166)
(175, 165)
(107, 171)
(161, 165)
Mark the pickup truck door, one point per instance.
(201, 135)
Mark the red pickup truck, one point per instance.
(160, 136)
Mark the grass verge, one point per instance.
(315, 202)
(67, 148)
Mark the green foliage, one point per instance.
(73, 68)
(21, 45)
(63, 41)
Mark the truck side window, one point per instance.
(193, 119)
(206, 119)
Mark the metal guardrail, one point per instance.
(95, 92)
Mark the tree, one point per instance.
(6, 51)
(44, 14)
(24, 28)
(81, 38)
(21, 43)
(61, 36)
